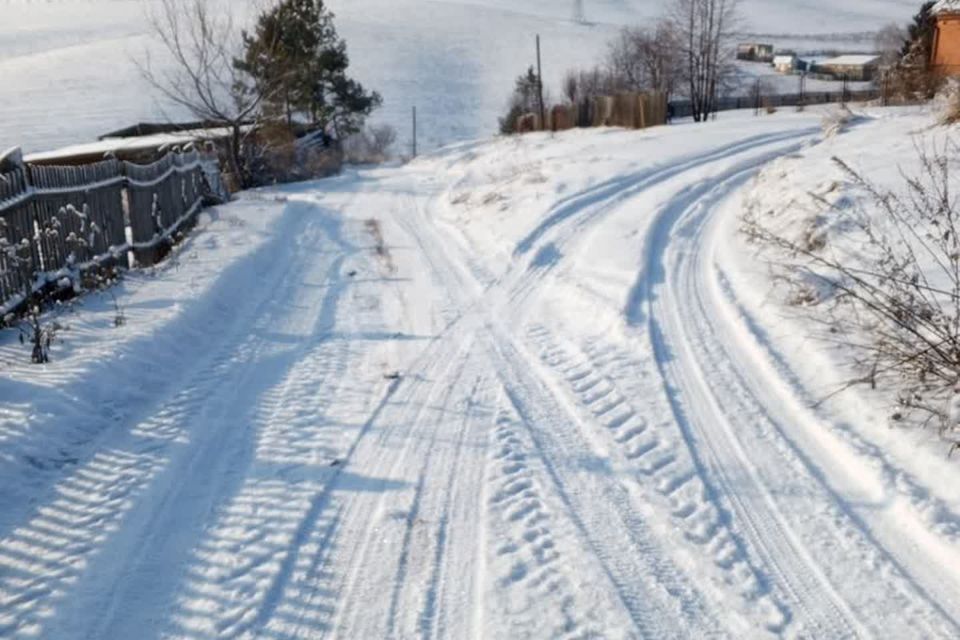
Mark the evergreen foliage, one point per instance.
(919, 45)
(298, 60)
(524, 100)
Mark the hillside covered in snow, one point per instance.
(67, 67)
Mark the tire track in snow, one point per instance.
(605, 595)
(240, 413)
(857, 472)
(155, 442)
(659, 597)
(388, 516)
(262, 569)
(583, 207)
(516, 286)
(812, 556)
(656, 456)
(535, 570)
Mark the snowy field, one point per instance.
(522, 388)
(67, 72)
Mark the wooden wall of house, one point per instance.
(946, 47)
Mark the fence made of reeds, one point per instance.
(629, 110)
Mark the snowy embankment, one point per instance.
(528, 387)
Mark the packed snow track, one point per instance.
(507, 390)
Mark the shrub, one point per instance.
(835, 120)
(949, 103)
(891, 294)
(371, 145)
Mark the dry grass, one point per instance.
(372, 225)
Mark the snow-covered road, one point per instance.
(590, 434)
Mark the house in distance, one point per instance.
(785, 63)
(854, 67)
(946, 39)
(755, 52)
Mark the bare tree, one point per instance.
(624, 60)
(641, 59)
(582, 85)
(571, 86)
(890, 41)
(890, 292)
(703, 30)
(201, 75)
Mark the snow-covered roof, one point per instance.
(850, 60)
(946, 6)
(116, 145)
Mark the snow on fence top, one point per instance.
(56, 221)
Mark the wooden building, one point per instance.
(755, 52)
(946, 39)
(141, 144)
(785, 63)
(856, 68)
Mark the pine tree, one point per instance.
(919, 45)
(297, 58)
(525, 99)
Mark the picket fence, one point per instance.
(57, 222)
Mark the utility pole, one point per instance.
(578, 15)
(414, 132)
(803, 88)
(543, 112)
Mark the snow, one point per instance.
(850, 60)
(68, 74)
(524, 387)
(114, 145)
(946, 6)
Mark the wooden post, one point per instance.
(803, 87)
(414, 132)
(543, 115)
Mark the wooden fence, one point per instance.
(59, 221)
(641, 110)
(683, 108)
(629, 110)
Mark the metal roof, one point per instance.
(850, 60)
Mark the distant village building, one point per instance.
(755, 52)
(785, 63)
(946, 39)
(857, 68)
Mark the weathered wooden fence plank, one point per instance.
(65, 218)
